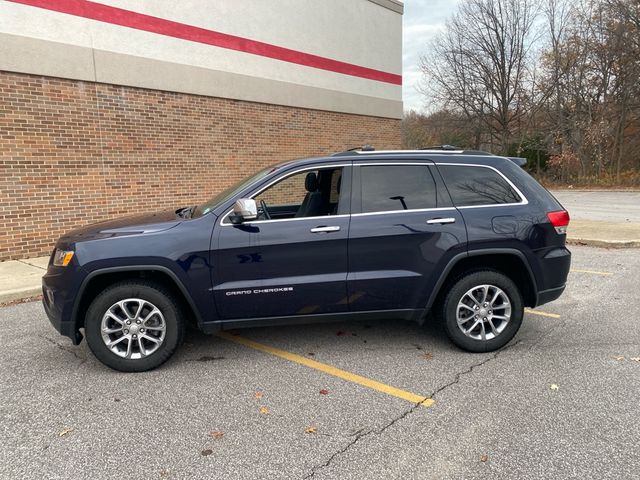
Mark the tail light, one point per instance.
(560, 220)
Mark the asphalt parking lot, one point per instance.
(561, 401)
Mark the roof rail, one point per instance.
(441, 147)
(355, 150)
(452, 148)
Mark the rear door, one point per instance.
(404, 229)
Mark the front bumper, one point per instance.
(58, 301)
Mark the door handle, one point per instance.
(441, 221)
(325, 229)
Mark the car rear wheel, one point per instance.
(482, 311)
(134, 326)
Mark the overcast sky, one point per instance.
(422, 19)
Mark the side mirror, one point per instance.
(243, 210)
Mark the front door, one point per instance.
(292, 261)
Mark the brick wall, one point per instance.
(74, 152)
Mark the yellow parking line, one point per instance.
(328, 369)
(594, 272)
(542, 314)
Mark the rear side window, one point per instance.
(472, 186)
(397, 187)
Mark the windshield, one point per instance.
(230, 192)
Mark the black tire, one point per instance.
(447, 311)
(156, 294)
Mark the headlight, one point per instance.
(61, 258)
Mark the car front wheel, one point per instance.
(134, 326)
(482, 311)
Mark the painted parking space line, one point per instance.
(542, 314)
(593, 272)
(328, 369)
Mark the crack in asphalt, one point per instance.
(363, 433)
(64, 348)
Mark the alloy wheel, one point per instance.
(483, 312)
(133, 328)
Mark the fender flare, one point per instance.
(476, 253)
(134, 268)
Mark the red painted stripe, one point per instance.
(148, 23)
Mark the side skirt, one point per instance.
(411, 315)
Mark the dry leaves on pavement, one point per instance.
(311, 430)
(264, 410)
(553, 386)
(258, 395)
(324, 391)
(206, 452)
(65, 431)
(216, 434)
(484, 458)
(427, 356)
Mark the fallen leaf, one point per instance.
(554, 387)
(484, 458)
(164, 473)
(310, 430)
(66, 431)
(264, 410)
(116, 399)
(427, 356)
(619, 358)
(324, 391)
(216, 434)
(206, 452)
(258, 395)
(635, 359)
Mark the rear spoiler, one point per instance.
(521, 162)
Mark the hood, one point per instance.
(132, 225)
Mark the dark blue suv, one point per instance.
(366, 234)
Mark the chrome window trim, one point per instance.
(293, 172)
(523, 199)
(412, 210)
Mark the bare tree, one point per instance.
(480, 66)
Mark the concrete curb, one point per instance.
(10, 296)
(588, 242)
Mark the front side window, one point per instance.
(311, 193)
(388, 188)
(474, 186)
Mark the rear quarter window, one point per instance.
(475, 186)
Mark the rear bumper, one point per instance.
(554, 268)
(546, 296)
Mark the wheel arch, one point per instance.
(509, 261)
(97, 280)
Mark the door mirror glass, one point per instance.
(245, 209)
